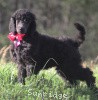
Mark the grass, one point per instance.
(47, 85)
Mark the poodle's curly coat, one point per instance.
(35, 49)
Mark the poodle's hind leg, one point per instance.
(85, 74)
(65, 77)
(73, 82)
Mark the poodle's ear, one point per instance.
(32, 25)
(12, 25)
(32, 28)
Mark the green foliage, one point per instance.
(47, 85)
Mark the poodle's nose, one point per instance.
(21, 29)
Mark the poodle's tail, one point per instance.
(78, 39)
(81, 36)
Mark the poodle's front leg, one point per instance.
(12, 53)
(21, 73)
(30, 69)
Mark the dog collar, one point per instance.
(16, 38)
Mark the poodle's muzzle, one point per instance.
(22, 26)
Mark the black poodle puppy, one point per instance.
(31, 50)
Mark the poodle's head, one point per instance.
(23, 22)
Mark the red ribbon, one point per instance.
(18, 36)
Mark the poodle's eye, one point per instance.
(25, 20)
